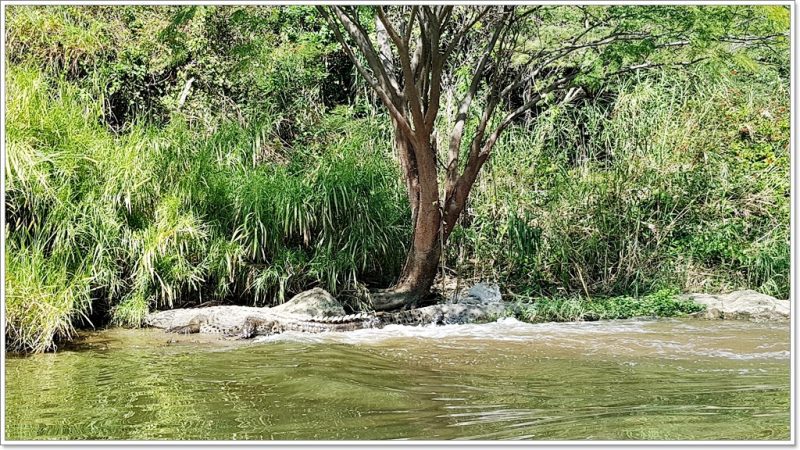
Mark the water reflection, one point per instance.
(673, 380)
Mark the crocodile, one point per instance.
(266, 323)
(246, 322)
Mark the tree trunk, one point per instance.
(419, 270)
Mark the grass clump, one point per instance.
(42, 298)
(162, 217)
(662, 303)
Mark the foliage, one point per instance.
(656, 188)
(151, 219)
(507, 62)
(246, 64)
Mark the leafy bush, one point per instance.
(236, 63)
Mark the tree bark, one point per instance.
(419, 271)
(422, 260)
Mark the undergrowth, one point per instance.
(680, 182)
(168, 217)
(662, 303)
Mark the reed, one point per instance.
(161, 217)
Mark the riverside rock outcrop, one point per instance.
(743, 305)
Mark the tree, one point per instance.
(521, 60)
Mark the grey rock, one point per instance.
(481, 293)
(744, 305)
(316, 302)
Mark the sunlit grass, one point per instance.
(662, 303)
(256, 189)
(163, 217)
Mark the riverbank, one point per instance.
(316, 311)
(480, 303)
(736, 305)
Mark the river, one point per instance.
(663, 379)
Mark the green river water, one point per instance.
(608, 380)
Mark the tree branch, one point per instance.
(409, 86)
(460, 35)
(360, 37)
(385, 97)
(461, 116)
(409, 26)
(649, 65)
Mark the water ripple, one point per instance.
(673, 379)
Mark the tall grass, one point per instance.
(662, 303)
(161, 217)
(661, 187)
(657, 189)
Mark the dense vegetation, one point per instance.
(167, 156)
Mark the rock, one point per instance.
(315, 302)
(747, 305)
(481, 293)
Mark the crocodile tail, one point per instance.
(341, 319)
(341, 323)
(347, 326)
